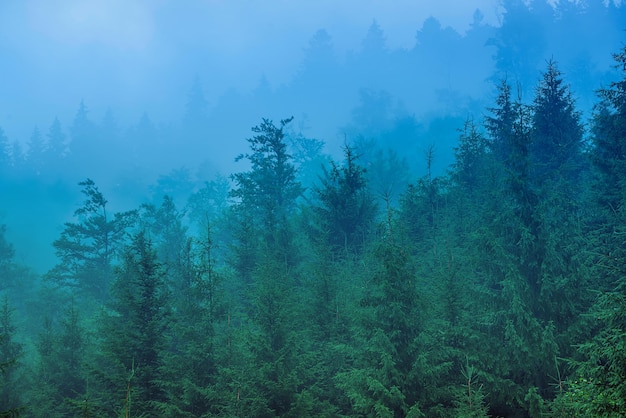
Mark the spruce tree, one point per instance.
(130, 369)
(346, 211)
(265, 196)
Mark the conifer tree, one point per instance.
(557, 133)
(11, 351)
(346, 210)
(87, 248)
(265, 196)
(130, 369)
(5, 156)
(599, 387)
(36, 152)
(609, 148)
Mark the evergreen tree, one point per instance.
(557, 134)
(83, 135)
(5, 156)
(11, 384)
(56, 141)
(346, 210)
(130, 370)
(385, 381)
(469, 170)
(196, 112)
(60, 382)
(36, 152)
(609, 148)
(265, 196)
(87, 248)
(7, 252)
(56, 149)
(599, 388)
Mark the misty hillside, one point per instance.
(228, 209)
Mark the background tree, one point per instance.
(36, 152)
(5, 156)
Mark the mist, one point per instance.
(240, 208)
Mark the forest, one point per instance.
(378, 281)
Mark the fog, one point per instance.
(144, 88)
(143, 56)
(350, 208)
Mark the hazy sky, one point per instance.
(137, 55)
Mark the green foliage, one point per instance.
(608, 132)
(11, 351)
(61, 374)
(134, 331)
(470, 401)
(557, 132)
(346, 210)
(490, 270)
(264, 197)
(87, 248)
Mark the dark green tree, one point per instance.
(598, 387)
(264, 197)
(7, 252)
(384, 380)
(469, 170)
(130, 369)
(346, 210)
(608, 152)
(11, 351)
(60, 382)
(557, 133)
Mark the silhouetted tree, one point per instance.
(86, 248)
(36, 152)
(5, 156)
(195, 119)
